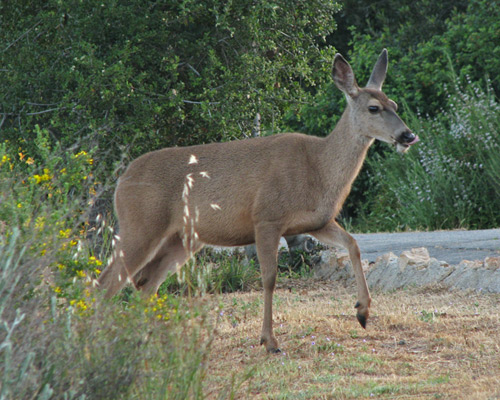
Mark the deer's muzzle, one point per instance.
(405, 140)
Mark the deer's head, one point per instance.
(372, 113)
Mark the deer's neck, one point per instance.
(343, 157)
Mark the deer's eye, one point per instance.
(373, 109)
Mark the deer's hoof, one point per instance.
(362, 315)
(362, 320)
(271, 345)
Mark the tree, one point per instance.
(147, 74)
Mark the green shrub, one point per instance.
(135, 76)
(429, 39)
(57, 350)
(426, 40)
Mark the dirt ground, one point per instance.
(419, 344)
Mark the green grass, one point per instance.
(213, 272)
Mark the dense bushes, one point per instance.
(139, 75)
(52, 347)
(427, 41)
(429, 63)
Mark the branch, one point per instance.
(45, 111)
(200, 102)
(23, 35)
(41, 104)
(194, 70)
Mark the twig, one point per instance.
(41, 104)
(200, 102)
(23, 35)
(193, 69)
(45, 111)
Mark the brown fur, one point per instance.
(173, 201)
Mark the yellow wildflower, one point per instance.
(80, 154)
(40, 222)
(81, 305)
(44, 177)
(95, 261)
(64, 234)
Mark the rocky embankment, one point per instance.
(413, 268)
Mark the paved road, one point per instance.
(449, 246)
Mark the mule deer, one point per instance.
(173, 201)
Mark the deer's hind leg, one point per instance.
(126, 262)
(170, 257)
(132, 253)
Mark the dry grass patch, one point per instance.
(429, 343)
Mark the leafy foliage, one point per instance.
(119, 79)
(158, 73)
(426, 41)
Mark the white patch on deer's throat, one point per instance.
(401, 148)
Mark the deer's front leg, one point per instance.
(267, 240)
(333, 234)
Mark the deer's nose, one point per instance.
(408, 137)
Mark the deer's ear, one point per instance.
(343, 76)
(379, 72)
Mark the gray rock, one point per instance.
(413, 268)
(333, 266)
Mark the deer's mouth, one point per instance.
(405, 141)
